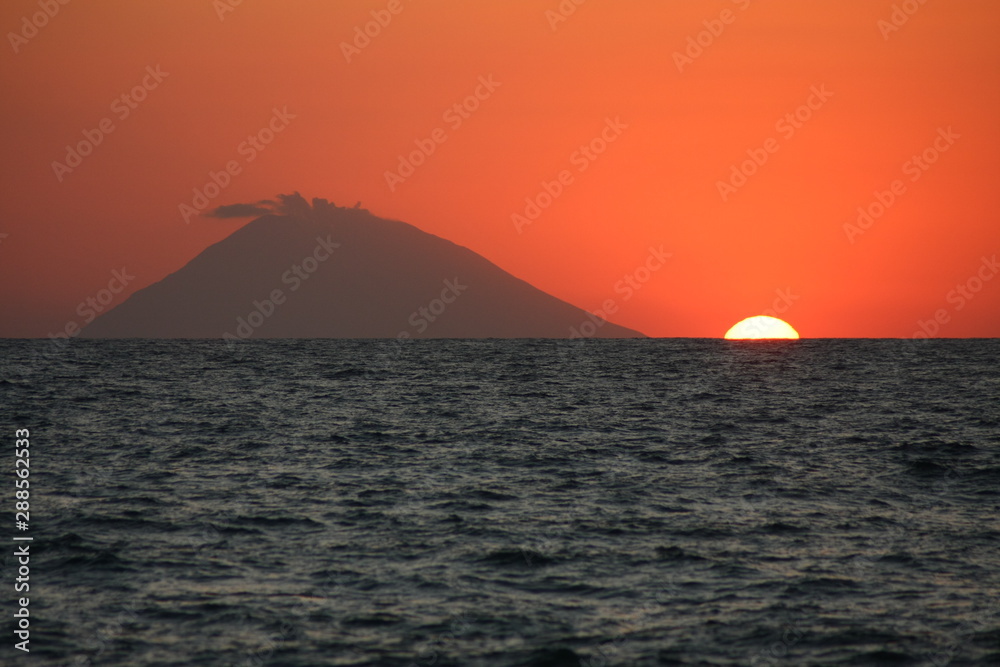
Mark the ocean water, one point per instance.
(435, 503)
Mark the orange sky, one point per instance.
(678, 128)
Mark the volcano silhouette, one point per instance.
(323, 271)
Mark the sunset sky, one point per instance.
(824, 106)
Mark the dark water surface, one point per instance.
(645, 502)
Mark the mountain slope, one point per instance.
(341, 273)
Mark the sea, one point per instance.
(537, 503)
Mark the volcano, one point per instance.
(302, 270)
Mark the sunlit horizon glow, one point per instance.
(807, 153)
(762, 327)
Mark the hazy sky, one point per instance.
(640, 115)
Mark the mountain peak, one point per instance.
(304, 269)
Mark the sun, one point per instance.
(761, 327)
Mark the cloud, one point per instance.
(239, 211)
(293, 205)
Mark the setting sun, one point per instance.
(761, 327)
